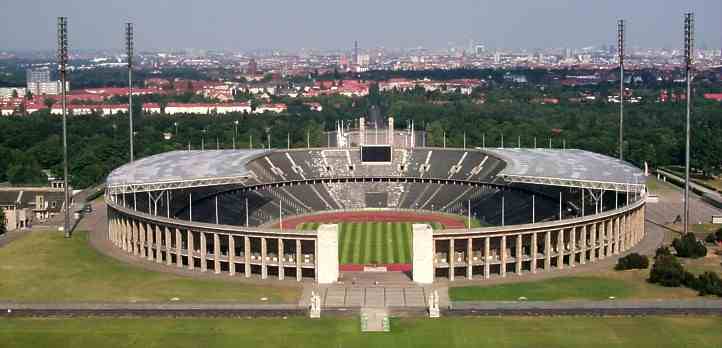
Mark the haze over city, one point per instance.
(294, 25)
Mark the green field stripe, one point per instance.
(353, 249)
(360, 244)
(368, 236)
(390, 242)
(371, 245)
(399, 237)
(344, 246)
(369, 251)
(387, 242)
(379, 233)
(407, 243)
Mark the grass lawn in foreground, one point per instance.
(630, 284)
(45, 267)
(588, 332)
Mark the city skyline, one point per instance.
(231, 26)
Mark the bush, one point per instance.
(714, 237)
(632, 261)
(661, 251)
(667, 271)
(708, 283)
(689, 246)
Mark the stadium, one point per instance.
(374, 200)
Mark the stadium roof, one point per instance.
(181, 169)
(571, 168)
(184, 169)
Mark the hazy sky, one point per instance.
(243, 24)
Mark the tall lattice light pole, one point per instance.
(129, 52)
(62, 65)
(689, 67)
(620, 48)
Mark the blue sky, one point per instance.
(30, 24)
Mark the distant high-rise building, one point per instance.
(252, 67)
(355, 52)
(38, 75)
(39, 83)
(479, 50)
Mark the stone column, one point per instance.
(487, 257)
(502, 269)
(547, 250)
(593, 242)
(572, 246)
(158, 245)
(231, 255)
(469, 259)
(585, 247)
(618, 235)
(178, 248)
(299, 275)
(601, 231)
(281, 270)
(452, 260)
(534, 251)
(133, 231)
(422, 254)
(123, 233)
(519, 253)
(216, 253)
(191, 250)
(168, 247)
(143, 234)
(149, 231)
(247, 256)
(204, 247)
(327, 254)
(560, 249)
(264, 255)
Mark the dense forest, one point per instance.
(653, 131)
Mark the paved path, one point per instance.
(708, 192)
(550, 308)
(671, 205)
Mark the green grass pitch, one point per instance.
(373, 242)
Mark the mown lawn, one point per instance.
(45, 267)
(599, 286)
(372, 242)
(588, 332)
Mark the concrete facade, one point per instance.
(327, 251)
(422, 254)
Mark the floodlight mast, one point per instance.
(620, 47)
(129, 52)
(689, 67)
(62, 67)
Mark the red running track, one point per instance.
(374, 216)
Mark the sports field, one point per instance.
(373, 242)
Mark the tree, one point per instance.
(667, 271)
(689, 246)
(15, 93)
(29, 95)
(3, 225)
(632, 261)
(49, 102)
(714, 237)
(708, 283)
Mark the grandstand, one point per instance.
(204, 200)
